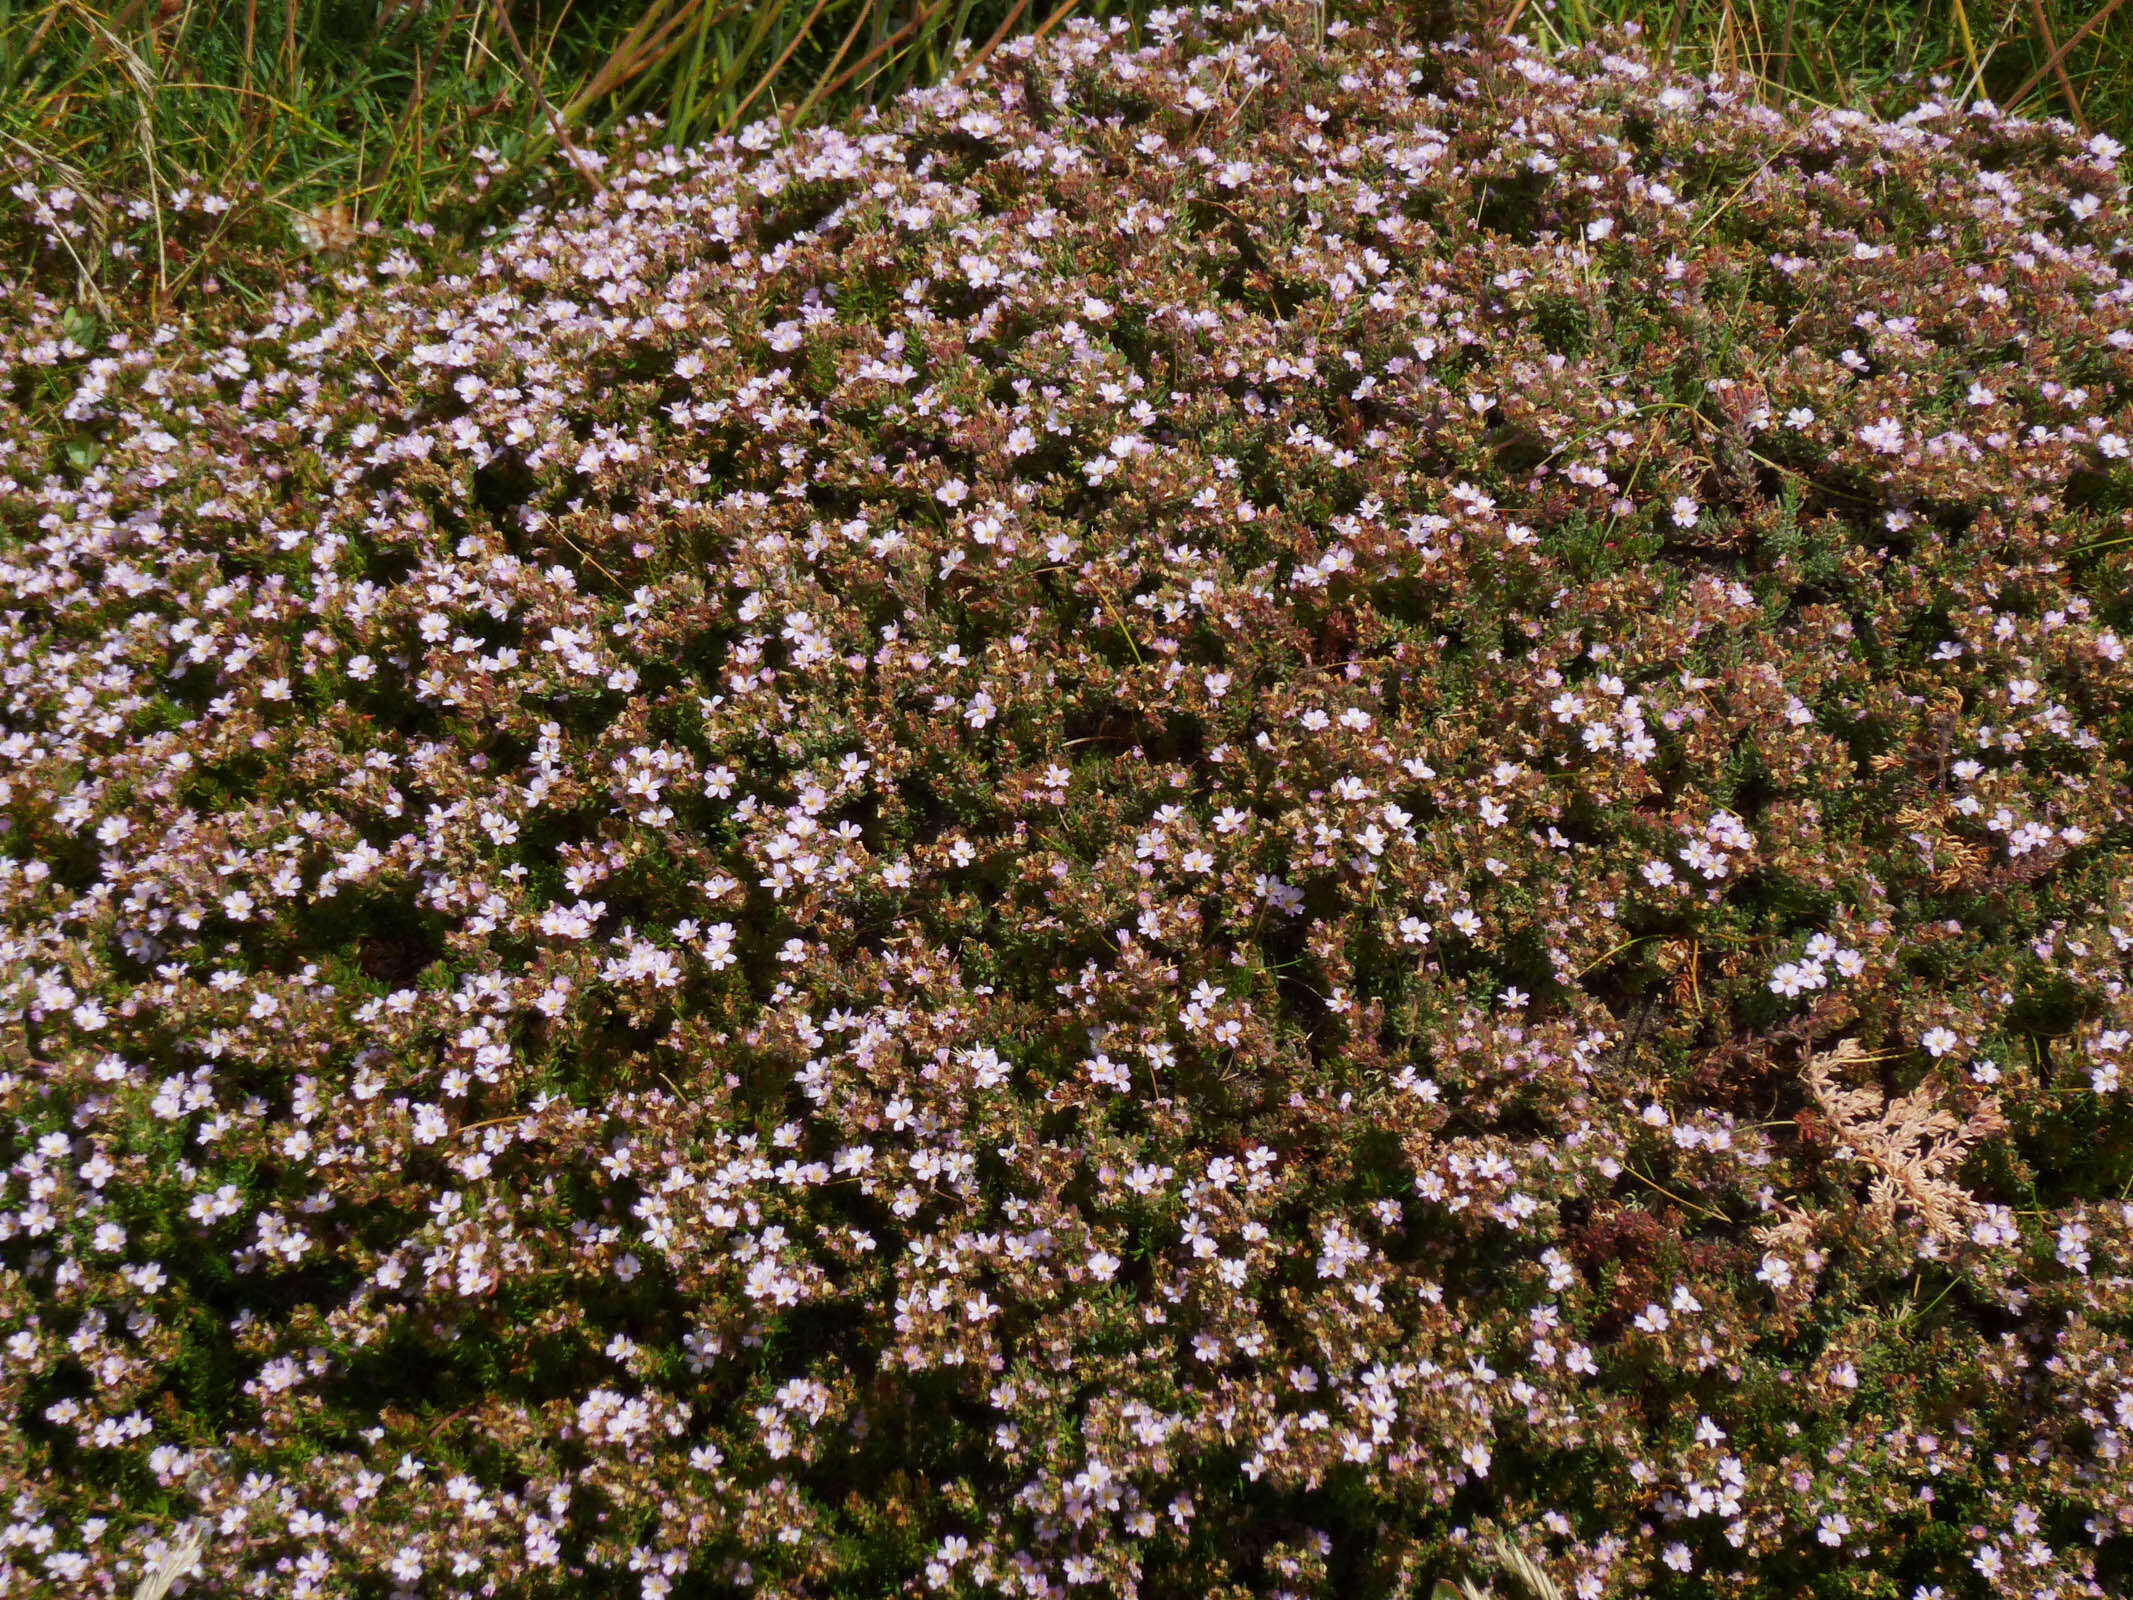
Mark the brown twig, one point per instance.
(991, 44)
(777, 66)
(920, 16)
(540, 98)
(2058, 65)
(2059, 55)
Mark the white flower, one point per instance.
(1884, 435)
(1794, 978)
(987, 1069)
(2073, 1247)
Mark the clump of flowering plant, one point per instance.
(1228, 815)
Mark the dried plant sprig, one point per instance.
(1913, 1143)
(180, 1559)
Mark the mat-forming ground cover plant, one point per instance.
(1209, 819)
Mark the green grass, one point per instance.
(2070, 58)
(318, 117)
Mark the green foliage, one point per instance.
(316, 120)
(2071, 58)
